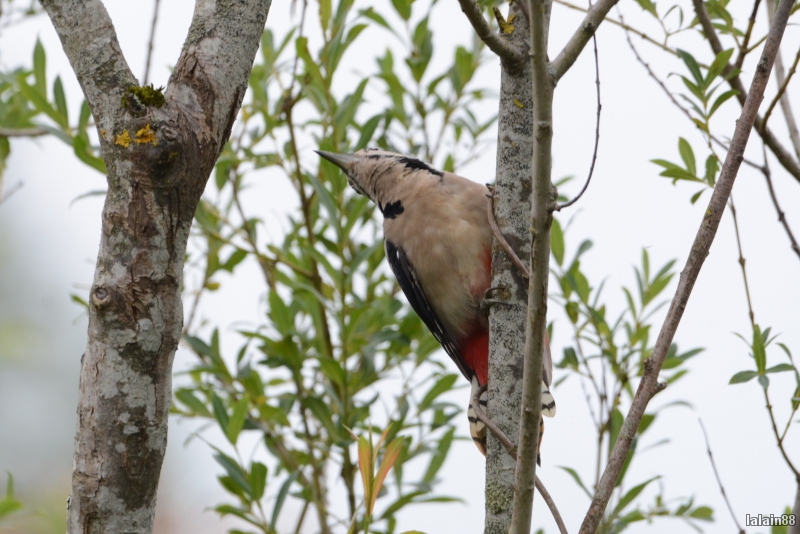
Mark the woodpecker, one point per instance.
(439, 246)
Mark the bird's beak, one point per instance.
(343, 161)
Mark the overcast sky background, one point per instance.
(48, 249)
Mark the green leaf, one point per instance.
(742, 377)
(84, 153)
(40, 69)
(445, 383)
(281, 498)
(648, 6)
(220, 412)
(712, 166)
(717, 66)
(324, 14)
(780, 368)
(759, 350)
(236, 422)
(704, 513)
(438, 457)
(692, 65)
(630, 496)
(258, 479)
(557, 242)
(234, 471)
(188, 399)
(721, 99)
(403, 8)
(577, 478)
(61, 103)
(687, 155)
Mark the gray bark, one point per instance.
(158, 161)
(795, 529)
(507, 322)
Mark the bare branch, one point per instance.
(783, 98)
(719, 480)
(508, 53)
(90, 42)
(791, 124)
(742, 262)
(649, 385)
(781, 215)
(784, 156)
(559, 207)
(574, 47)
(541, 218)
(743, 51)
(5, 195)
(512, 451)
(150, 42)
(22, 132)
(621, 24)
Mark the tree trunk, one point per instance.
(507, 322)
(159, 153)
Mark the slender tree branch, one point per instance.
(781, 215)
(795, 529)
(5, 195)
(778, 437)
(580, 38)
(540, 220)
(625, 27)
(719, 480)
(784, 156)
(508, 53)
(743, 51)
(559, 207)
(742, 262)
(649, 385)
(786, 106)
(512, 451)
(150, 42)
(22, 132)
(783, 98)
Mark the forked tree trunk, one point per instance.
(159, 156)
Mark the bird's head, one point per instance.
(374, 173)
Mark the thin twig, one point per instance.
(778, 437)
(559, 207)
(22, 132)
(624, 26)
(742, 262)
(781, 215)
(512, 451)
(786, 106)
(783, 87)
(150, 42)
(649, 385)
(743, 51)
(502, 240)
(719, 480)
(507, 52)
(5, 195)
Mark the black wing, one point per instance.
(407, 277)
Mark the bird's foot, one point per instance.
(487, 302)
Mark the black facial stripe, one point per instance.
(416, 164)
(392, 209)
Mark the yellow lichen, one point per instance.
(123, 139)
(102, 133)
(518, 104)
(506, 25)
(146, 135)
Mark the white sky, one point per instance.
(47, 251)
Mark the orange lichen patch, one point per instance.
(123, 139)
(146, 135)
(518, 104)
(506, 26)
(102, 133)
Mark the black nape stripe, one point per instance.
(412, 163)
(392, 209)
